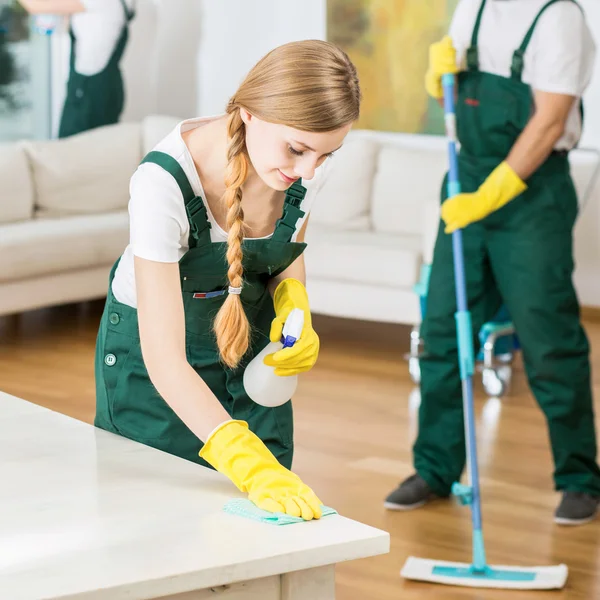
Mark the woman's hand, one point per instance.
(232, 449)
(302, 356)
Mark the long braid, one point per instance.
(309, 85)
(231, 324)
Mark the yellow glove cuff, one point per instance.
(502, 186)
(220, 438)
(290, 288)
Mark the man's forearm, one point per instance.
(539, 137)
(55, 7)
(533, 146)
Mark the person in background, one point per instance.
(99, 32)
(522, 67)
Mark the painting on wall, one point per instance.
(388, 41)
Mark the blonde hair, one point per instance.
(309, 85)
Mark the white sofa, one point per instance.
(64, 220)
(374, 225)
(63, 212)
(377, 218)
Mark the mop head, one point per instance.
(504, 577)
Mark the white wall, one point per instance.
(138, 66)
(591, 132)
(237, 33)
(178, 39)
(587, 238)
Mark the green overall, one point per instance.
(127, 402)
(95, 100)
(520, 255)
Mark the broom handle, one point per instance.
(464, 329)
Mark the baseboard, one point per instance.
(590, 313)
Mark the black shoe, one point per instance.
(576, 508)
(411, 493)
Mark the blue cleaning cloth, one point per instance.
(242, 507)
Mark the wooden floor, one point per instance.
(355, 423)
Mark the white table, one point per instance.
(85, 514)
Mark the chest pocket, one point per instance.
(491, 113)
(205, 284)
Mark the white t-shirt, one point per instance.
(560, 56)
(97, 31)
(158, 224)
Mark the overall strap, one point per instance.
(73, 42)
(516, 69)
(129, 13)
(194, 205)
(286, 226)
(472, 52)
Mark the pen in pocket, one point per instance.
(201, 295)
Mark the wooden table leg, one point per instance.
(311, 584)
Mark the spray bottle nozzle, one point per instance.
(292, 328)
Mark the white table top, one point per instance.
(88, 514)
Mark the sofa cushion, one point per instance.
(44, 246)
(16, 203)
(365, 257)
(155, 128)
(405, 180)
(85, 173)
(344, 197)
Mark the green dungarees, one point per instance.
(95, 100)
(127, 402)
(520, 255)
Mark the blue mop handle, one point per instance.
(464, 328)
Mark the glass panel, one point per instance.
(25, 74)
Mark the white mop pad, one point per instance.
(496, 576)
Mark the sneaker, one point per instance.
(411, 493)
(576, 508)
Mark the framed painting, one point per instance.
(388, 41)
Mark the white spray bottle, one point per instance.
(260, 382)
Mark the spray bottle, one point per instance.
(260, 381)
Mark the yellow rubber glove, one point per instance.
(302, 356)
(442, 59)
(232, 449)
(501, 186)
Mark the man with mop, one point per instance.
(521, 68)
